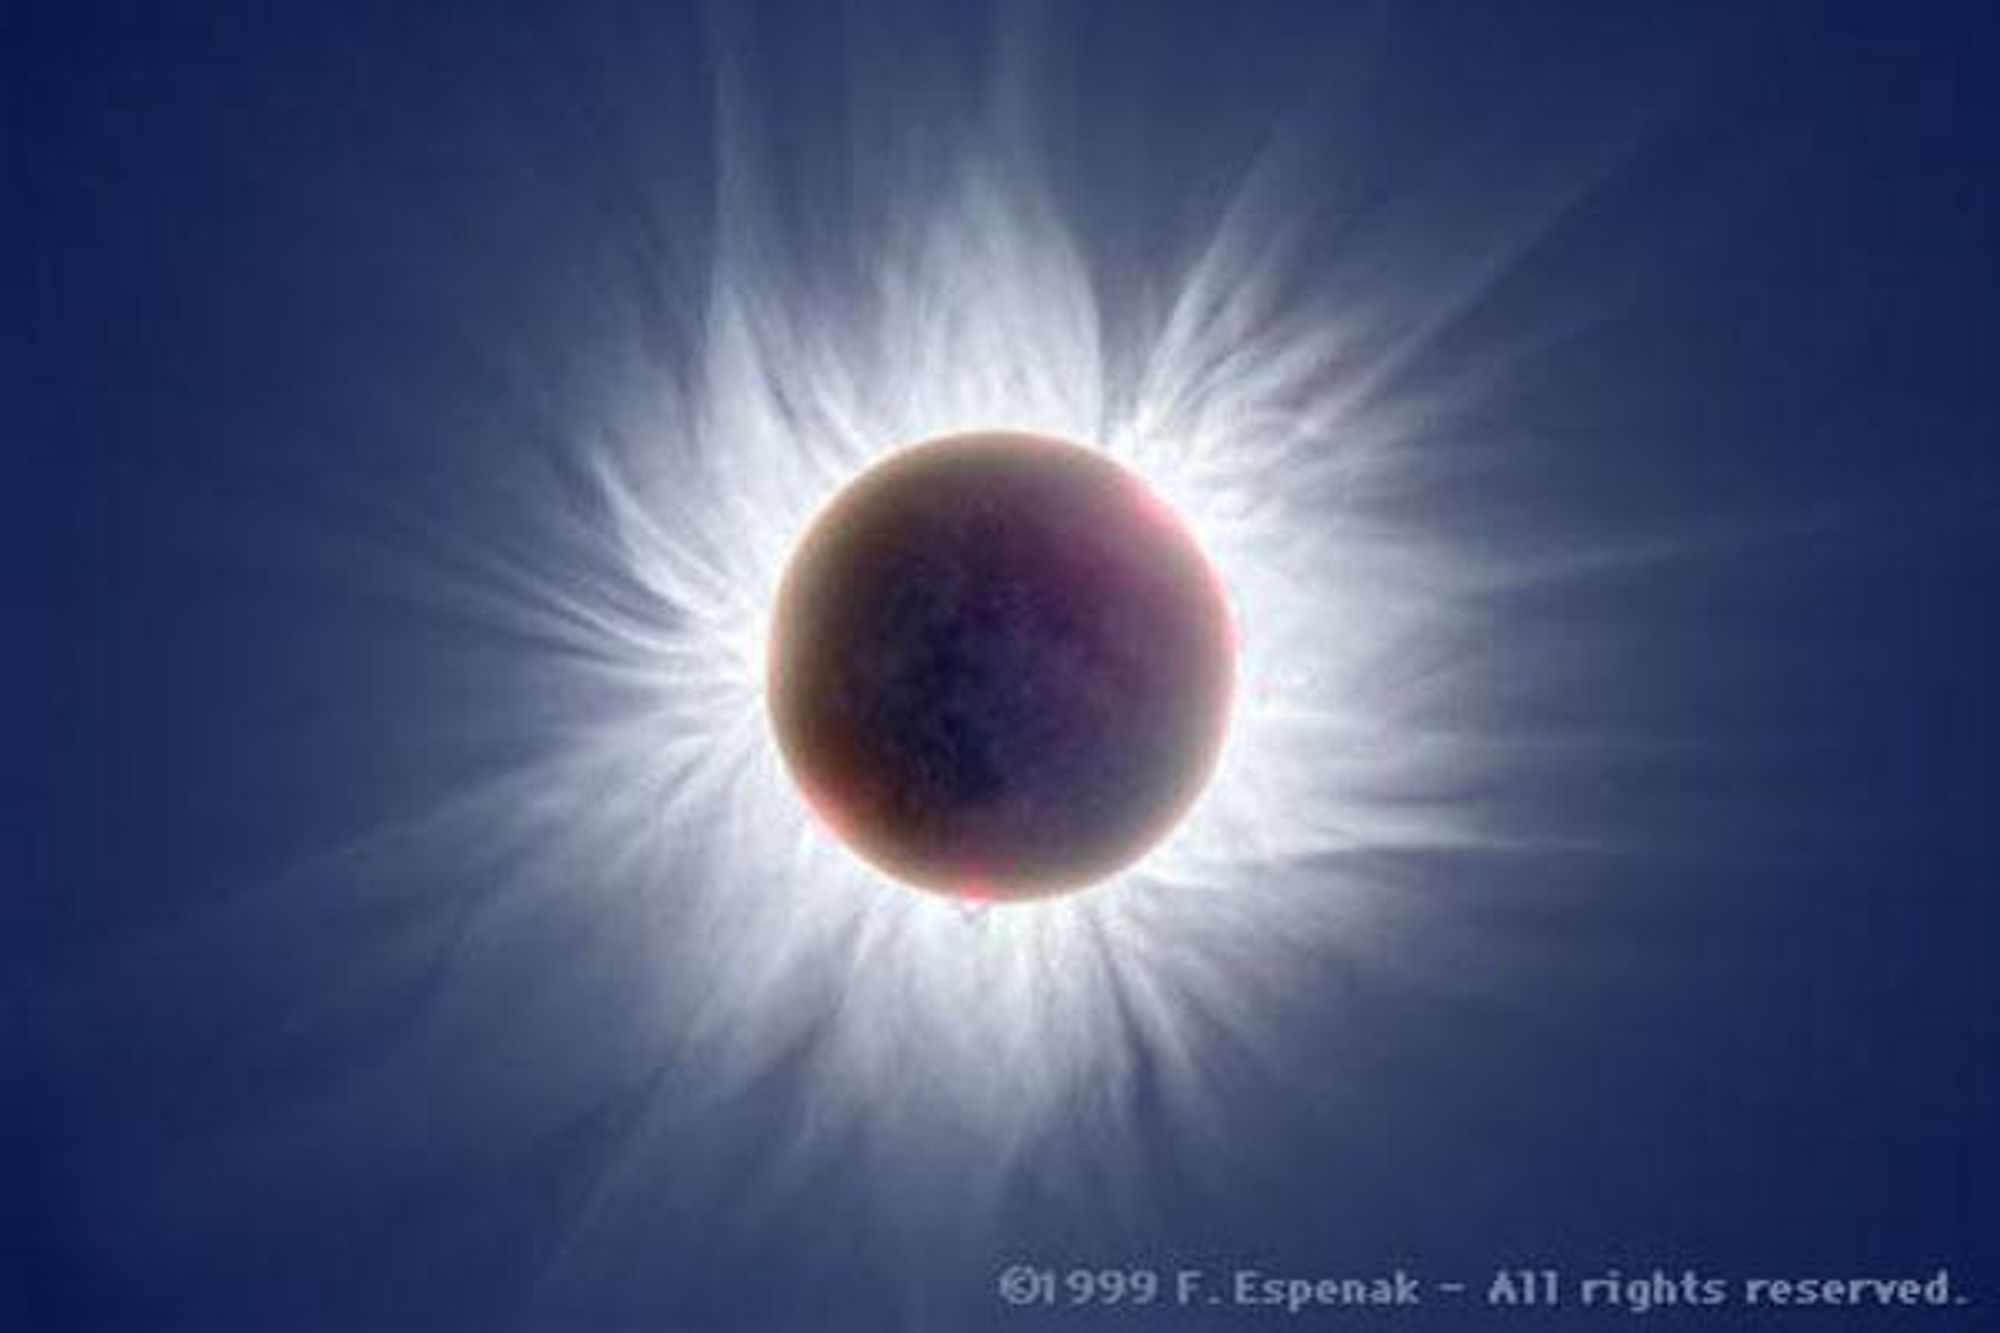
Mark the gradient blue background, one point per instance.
(259, 260)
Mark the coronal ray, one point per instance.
(979, 313)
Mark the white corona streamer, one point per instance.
(911, 1011)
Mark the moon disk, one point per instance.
(1000, 666)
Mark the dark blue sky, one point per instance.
(280, 276)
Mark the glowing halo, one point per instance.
(918, 1012)
(714, 943)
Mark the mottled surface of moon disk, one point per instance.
(1000, 666)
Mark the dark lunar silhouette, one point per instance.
(1000, 666)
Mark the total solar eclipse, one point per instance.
(1000, 666)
